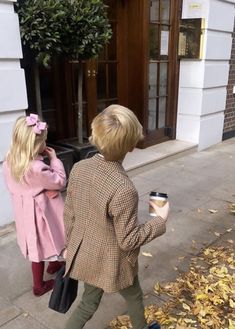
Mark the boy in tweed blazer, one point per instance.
(103, 236)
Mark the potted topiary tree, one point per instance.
(76, 29)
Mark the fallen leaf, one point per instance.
(186, 307)
(202, 297)
(213, 211)
(146, 254)
(217, 234)
(231, 303)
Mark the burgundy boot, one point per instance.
(54, 267)
(40, 287)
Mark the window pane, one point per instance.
(101, 81)
(112, 80)
(153, 42)
(154, 10)
(165, 11)
(102, 55)
(163, 79)
(162, 112)
(152, 80)
(46, 88)
(101, 106)
(112, 49)
(111, 10)
(152, 116)
(164, 42)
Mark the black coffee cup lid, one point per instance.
(162, 195)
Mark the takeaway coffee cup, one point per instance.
(160, 199)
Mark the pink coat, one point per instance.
(38, 218)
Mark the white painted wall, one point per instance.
(202, 84)
(13, 98)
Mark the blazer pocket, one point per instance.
(132, 257)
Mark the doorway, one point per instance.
(154, 67)
(138, 68)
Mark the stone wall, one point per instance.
(13, 98)
(229, 118)
(203, 82)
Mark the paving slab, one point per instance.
(15, 272)
(7, 311)
(24, 322)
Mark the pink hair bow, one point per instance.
(32, 120)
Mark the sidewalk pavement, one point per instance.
(195, 183)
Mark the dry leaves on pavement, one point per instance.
(232, 208)
(202, 298)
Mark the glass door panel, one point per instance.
(107, 66)
(162, 112)
(154, 13)
(153, 41)
(152, 118)
(165, 11)
(159, 27)
(163, 79)
(153, 68)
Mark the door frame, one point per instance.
(138, 11)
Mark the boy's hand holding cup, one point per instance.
(158, 205)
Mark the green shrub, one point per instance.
(77, 29)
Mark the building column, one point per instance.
(203, 83)
(13, 98)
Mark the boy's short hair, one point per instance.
(115, 131)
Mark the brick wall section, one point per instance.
(229, 119)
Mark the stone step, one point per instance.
(140, 160)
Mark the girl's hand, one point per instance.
(161, 211)
(50, 152)
(52, 194)
(64, 253)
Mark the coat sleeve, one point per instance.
(50, 177)
(130, 234)
(69, 216)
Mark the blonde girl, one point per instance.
(37, 203)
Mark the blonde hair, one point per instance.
(25, 146)
(115, 131)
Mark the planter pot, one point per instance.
(81, 151)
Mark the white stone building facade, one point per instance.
(203, 83)
(13, 98)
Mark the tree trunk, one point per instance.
(37, 90)
(80, 109)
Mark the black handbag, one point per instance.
(64, 292)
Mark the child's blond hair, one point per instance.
(115, 131)
(25, 146)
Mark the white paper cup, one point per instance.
(160, 199)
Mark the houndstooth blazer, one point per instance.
(103, 236)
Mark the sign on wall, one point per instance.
(193, 9)
(191, 38)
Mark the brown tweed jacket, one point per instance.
(103, 236)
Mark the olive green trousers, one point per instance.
(91, 298)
